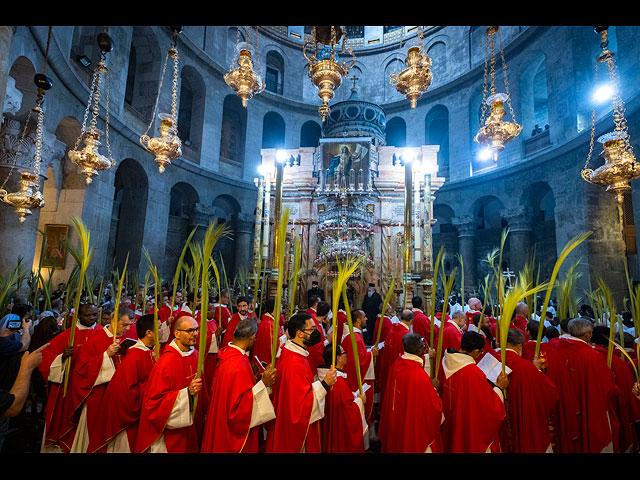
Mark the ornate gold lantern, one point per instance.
(324, 70)
(29, 196)
(242, 79)
(415, 79)
(620, 166)
(167, 146)
(496, 132)
(88, 158)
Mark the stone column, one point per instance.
(466, 226)
(6, 35)
(519, 220)
(243, 228)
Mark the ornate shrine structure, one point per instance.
(352, 196)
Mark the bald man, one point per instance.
(167, 424)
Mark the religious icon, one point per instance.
(55, 249)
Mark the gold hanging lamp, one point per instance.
(88, 158)
(243, 79)
(29, 196)
(414, 80)
(168, 145)
(324, 70)
(496, 132)
(620, 167)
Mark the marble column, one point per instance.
(519, 220)
(243, 228)
(466, 226)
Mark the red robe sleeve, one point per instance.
(412, 410)
(342, 422)
(227, 429)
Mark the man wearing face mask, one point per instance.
(238, 405)
(412, 414)
(297, 400)
(371, 307)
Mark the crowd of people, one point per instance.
(311, 383)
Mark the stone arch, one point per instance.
(182, 203)
(233, 134)
(437, 133)
(534, 111)
(273, 130)
(274, 72)
(310, 134)
(477, 45)
(540, 201)
(143, 74)
(131, 191)
(234, 35)
(191, 113)
(437, 51)
(225, 208)
(394, 65)
(396, 132)
(486, 212)
(22, 71)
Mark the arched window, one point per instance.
(191, 113)
(534, 111)
(437, 133)
(477, 45)
(273, 131)
(438, 55)
(233, 132)
(310, 134)
(184, 113)
(274, 75)
(143, 76)
(390, 93)
(396, 132)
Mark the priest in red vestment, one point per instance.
(393, 349)
(118, 426)
(421, 323)
(242, 305)
(530, 399)
(412, 411)
(623, 403)
(593, 384)
(343, 424)
(297, 400)
(483, 329)
(59, 430)
(261, 349)
(475, 307)
(222, 312)
(96, 365)
(238, 404)
(167, 422)
(453, 330)
(365, 360)
(473, 408)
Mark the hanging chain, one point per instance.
(484, 81)
(395, 64)
(174, 96)
(39, 129)
(618, 106)
(86, 112)
(257, 59)
(586, 172)
(155, 106)
(15, 157)
(106, 130)
(506, 80)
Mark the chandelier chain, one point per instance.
(106, 133)
(506, 80)
(174, 96)
(484, 81)
(155, 106)
(15, 157)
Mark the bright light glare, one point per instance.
(263, 170)
(603, 93)
(485, 154)
(281, 155)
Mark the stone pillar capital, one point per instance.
(520, 218)
(466, 225)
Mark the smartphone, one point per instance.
(14, 324)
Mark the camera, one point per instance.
(14, 324)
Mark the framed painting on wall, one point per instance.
(55, 250)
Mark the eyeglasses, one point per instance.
(188, 331)
(310, 329)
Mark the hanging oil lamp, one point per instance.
(496, 132)
(243, 79)
(29, 196)
(324, 70)
(414, 80)
(168, 145)
(89, 158)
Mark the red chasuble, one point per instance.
(473, 410)
(171, 373)
(292, 400)
(385, 336)
(365, 358)
(470, 314)
(231, 328)
(85, 374)
(229, 413)
(564, 416)
(342, 422)
(530, 399)
(421, 324)
(593, 383)
(622, 403)
(222, 316)
(122, 400)
(451, 336)
(264, 339)
(59, 429)
(393, 349)
(412, 412)
(315, 351)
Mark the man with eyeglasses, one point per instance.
(167, 420)
(97, 362)
(297, 400)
